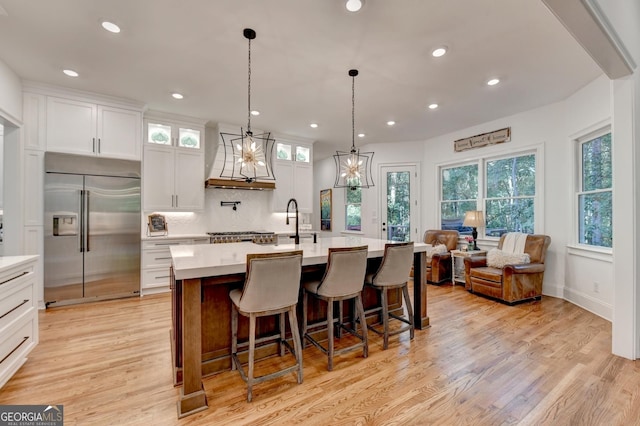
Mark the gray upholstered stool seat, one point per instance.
(271, 287)
(393, 273)
(342, 280)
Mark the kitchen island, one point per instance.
(203, 275)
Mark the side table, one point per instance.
(457, 272)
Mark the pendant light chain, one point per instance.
(353, 114)
(249, 92)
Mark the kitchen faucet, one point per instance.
(295, 203)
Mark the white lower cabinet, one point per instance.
(156, 261)
(18, 313)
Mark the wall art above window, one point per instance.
(485, 139)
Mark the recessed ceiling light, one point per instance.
(70, 73)
(493, 82)
(255, 112)
(361, 135)
(433, 106)
(440, 51)
(177, 95)
(314, 125)
(111, 27)
(390, 123)
(354, 5)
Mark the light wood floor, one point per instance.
(481, 363)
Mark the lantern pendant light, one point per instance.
(353, 168)
(252, 154)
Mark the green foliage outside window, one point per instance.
(510, 192)
(353, 212)
(595, 196)
(459, 195)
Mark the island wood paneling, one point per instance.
(480, 363)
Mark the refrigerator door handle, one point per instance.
(82, 221)
(87, 210)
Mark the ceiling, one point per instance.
(300, 60)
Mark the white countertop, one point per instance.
(197, 261)
(7, 262)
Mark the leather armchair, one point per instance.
(512, 283)
(439, 269)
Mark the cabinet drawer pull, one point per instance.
(13, 309)
(161, 258)
(24, 339)
(162, 276)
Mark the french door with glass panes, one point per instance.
(399, 203)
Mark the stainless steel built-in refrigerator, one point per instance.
(92, 229)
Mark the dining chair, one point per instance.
(343, 280)
(393, 273)
(271, 287)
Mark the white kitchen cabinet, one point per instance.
(18, 312)
(293, 169)
(173, 179)
(173, 164)
(86, 128)
(156, 260)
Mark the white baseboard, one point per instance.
(595, 306)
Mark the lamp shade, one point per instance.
(473, 219)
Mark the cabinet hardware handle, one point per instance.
(162, 258)
(24, 339)
(162, 276)
(14, 308)
(94, 144)
(99, 145)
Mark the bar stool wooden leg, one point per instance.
(405, 292)
(297, 345)
(282, 330)
(363, 322)
(252, 351)
(330, 332)
(340, 313)
(385, 318)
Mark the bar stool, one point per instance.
(342, 280)
(271, 287)
(393, 273)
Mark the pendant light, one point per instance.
(353, 168)
(252, 154)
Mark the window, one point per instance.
(595, 206)
(459, 193)
(352, 207)
(510, 195)
(505, 191)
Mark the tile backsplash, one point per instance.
(253, 213)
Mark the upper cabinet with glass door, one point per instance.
(171, 132)
(293, 152)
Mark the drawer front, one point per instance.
(164, 243)
(15, 346)
(156, 258)
(155, 277)
(17, 298)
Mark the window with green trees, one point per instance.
(352, 205)
(507, 197)
(510, 195)
(595, 191)
(459, 193)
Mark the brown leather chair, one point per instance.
(439, 269)
(512, 283)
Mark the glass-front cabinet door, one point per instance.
(173, 135)
(188, 138)
(159, 134)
